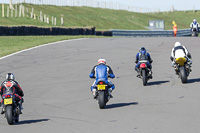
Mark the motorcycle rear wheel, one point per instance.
(101, 99)
(9, 115)
(183, 74)
(144, 77)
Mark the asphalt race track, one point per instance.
(56, 83)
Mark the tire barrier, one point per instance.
(33, 30)
(104, 33)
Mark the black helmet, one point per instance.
(10, 76)
(142, 49)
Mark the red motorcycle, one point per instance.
(144, 72)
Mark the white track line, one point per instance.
(39, 47)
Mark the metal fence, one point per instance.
(145, 33)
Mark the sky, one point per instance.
(150, 5)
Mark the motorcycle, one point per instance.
(182, 69)
(144, 72)
(11, 107)
(195, 31)
(102, 94)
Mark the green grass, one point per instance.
(102, 19)
(11, 44)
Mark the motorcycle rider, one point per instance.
(194, 23)
(180, 51)
(102, 71)
(143, 55)
(14, 88)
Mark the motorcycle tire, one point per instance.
(144, 77)
(183, 74)
(9, 115)
(101, 99)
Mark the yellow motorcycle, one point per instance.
(182, 69)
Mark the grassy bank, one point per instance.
(11, 44)
(102, 19)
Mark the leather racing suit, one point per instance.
(143, 56)
(102, 72)
(11, 86)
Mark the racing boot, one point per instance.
(109, 92)
(138, 72)
(150, 74)
(2, 110)
(188, 67)
(20, 106)
(94, 93)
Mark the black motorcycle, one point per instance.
(144, 72)
(11, 107)
(102, 94)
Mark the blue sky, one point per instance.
(162, 5)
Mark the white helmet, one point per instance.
(10, 76)
(177, 44)
(102, 61)
(194, 20)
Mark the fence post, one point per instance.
(20, 10)
(16, 10)
(41, 18)
(11, 12)
(194, 9)
(32, 12)
(47, 20)
(62, 22)
(34, 16)
(52, 20)
(55, 21)
(23, 11)
(8, 11)
(3, 10)
(11, 5)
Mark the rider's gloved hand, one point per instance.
(92, 75)
(171, 58)
(112, 76)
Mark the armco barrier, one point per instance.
(145, 33)
(32, 30)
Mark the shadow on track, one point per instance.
(31, 121)
(193, 80)
(117, 105)
(157, 82)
